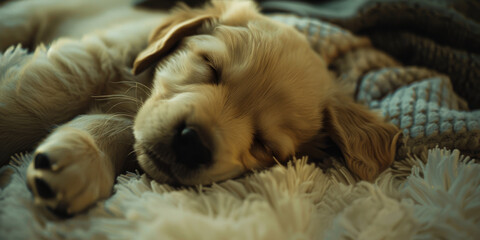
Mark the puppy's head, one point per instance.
(232, 91)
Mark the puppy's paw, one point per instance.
(69, 173)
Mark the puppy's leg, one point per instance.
(76, 165)
(52, 86)
(32, 22)
(41, 21)
(49, 88)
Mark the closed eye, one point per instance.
(260, 143)
(215, 72)
(260, 151)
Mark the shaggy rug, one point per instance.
(435, 196)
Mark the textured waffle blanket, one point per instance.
(433, 106)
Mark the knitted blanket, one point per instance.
(427, 91)
(425, 194)
(442, 35)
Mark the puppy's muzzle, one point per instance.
(189, 148)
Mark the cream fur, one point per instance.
(252, 87)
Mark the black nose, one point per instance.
(189, 148)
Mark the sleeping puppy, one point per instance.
(213, 93)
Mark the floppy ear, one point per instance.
(367, 142)
(164, 38)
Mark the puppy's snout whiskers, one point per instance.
(114, 103)
(138, 85)
(117, 97)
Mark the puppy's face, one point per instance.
(230, 98)
(233, 91)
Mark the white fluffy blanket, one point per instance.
(439, 198)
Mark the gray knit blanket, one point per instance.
(428, 87)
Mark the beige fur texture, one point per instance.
(250, 89)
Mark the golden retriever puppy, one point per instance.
(211, 94)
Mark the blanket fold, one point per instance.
(441, 35)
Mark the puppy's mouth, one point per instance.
(181, 159)
(171, 171)
(162, 166)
